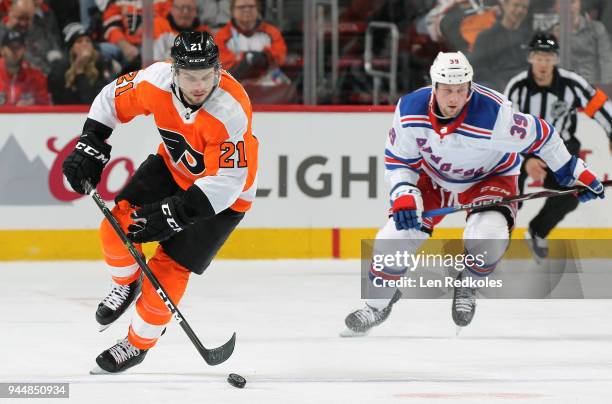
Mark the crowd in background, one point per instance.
(65, 51)
(494, 35)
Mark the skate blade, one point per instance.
(104, 327)
(348, 333)
(458, 330)
(99, 371)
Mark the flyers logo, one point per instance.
(181, 151)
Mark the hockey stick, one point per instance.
(212, 356)
(506, 201)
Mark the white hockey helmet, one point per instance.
(451, 68)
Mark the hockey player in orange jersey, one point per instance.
(189, 196)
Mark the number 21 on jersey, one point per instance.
(124, 83)
(227, 151)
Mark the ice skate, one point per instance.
(119, 358)
(464, 304)
(116, 302)
(361, 321)
(537, 245)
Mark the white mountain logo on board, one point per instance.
(23, 182)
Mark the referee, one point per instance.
(554, 94)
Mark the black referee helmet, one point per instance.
(544, 42)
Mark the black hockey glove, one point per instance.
(86, 162)
(159, 221)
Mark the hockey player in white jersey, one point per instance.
(459, 142)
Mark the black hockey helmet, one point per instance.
(544, 42)
(195, 50)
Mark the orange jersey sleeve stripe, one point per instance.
(241, 205)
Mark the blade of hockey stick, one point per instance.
(212, 356)
(506, 201)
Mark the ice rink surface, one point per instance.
(287, 315)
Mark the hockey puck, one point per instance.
(236, 380)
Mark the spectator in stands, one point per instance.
(214, 13)
(80, 76)
(20, 84)
(66, 11)
(48, 11)
(42, 47)
(92, 12)
(122, 25)
(590, 47)
(248, 46)
(253, 51)
(500, 52)
(183, 16)
(600, 10)
(45, 17)
(462, 22)
(89, 8)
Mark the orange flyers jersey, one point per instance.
(212, 147)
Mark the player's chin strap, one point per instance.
(176, 90)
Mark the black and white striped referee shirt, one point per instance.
(558, 103)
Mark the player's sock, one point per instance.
(464, 303)
(116, 302)
(120, 357)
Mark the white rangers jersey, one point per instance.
(483, 141)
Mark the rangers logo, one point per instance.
(181, 151)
